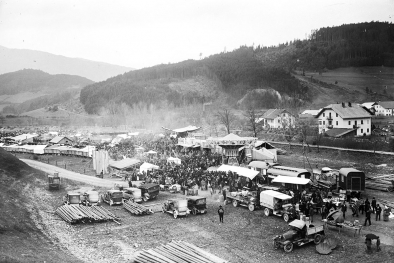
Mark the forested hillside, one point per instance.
(32, 80)
(234, 73)
(352, 45)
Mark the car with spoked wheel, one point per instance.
(176, 208)
(300, 233)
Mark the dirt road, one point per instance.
(72, 175)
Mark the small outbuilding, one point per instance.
(351, 179)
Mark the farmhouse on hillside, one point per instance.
(384, 108)
(61, 140)
(277, 119)
(342, 119)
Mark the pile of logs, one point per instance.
(382, 183)
(176, 251)
(136, 209)
(84, 214)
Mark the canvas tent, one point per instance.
(264, 155)
(174, 160)
(148, 166)
(251, 174)
(123, 164)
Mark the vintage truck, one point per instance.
(54, 181)
(149, 191)
(90, 198)
(247, 198)
(276, 203)
(112, 197)
(72, 198)
(300, 233)
(176, 208)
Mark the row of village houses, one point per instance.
(336, 120)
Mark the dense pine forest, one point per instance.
(245, 69)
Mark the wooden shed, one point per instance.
(351, 179)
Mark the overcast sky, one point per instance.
(143, 33)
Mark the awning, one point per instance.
(123, 164)
(239, 170)
(262, 154)
(291, 180)
(148, 166)
(152, 152)
(276, 194)
(259, 164)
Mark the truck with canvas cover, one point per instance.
(113, 197)
(90, 198)
(72, 198)
(300, 233)
(176, 208)
(276, 203)
(149, 191)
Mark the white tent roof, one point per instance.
(276, 194)
(148, 166)
(239, 170)
(152, 152)
(185, 129)
(24, 137)
(122, 164)
(259, 164)
(291, 180)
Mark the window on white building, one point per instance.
(362, 122)
(349, 123)
(337, 123)
(319, 122)
(362, 130)
(337, 114)
(368, 130)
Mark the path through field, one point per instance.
(50, 169)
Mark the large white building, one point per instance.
(277, 119)
(384, 108)
(347, 118)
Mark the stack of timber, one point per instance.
(84, 214)
(385, 202)
(136, 209)
(174, 252)
(383, 183)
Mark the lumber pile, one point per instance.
(136, 209)
(383, 183)
(84, 214)
(174, 252)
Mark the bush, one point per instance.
(35, 157)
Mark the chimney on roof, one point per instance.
(350, 104)
(343, 104)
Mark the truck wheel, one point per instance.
(163, 210)
(235, 203)
(175, 214)
(286, 217)
(251, 207)
(288, 247)
(111, 202)
(194, 212)
(267, 212)
(317, 239)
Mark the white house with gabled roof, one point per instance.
(352, 117)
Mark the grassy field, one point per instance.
(243, 237)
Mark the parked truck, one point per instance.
(250, 199)
(276, 203)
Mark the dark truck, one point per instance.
(149, 191)
(300, 233)
(197, 204)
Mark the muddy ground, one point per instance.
(243, 237)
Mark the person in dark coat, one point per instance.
(367, 205)
(373, 204)
(368, 217)
(378, 212)
(344, 209)
(378, 244)
(221, 213)
(368, 242)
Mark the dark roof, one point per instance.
(146, 186)
(195, 197)
(338, 132)
(346, 171)
(346, 111)
(273, 113)
(386, 104)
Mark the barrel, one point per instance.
(195, 191)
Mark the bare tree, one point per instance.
(225, 117)
(253, 121)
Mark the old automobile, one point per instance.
(300, 233)
(54, 181)
(176, 208)
(72, 198)
(90, 198)
(247, 198)
(276, 203)
(197, 205)
(149, 191)
(132, 193)
(113, 197)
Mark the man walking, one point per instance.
(367, 217)
(378, 212)
(373, 204)
(221, 213)
(344, 209)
